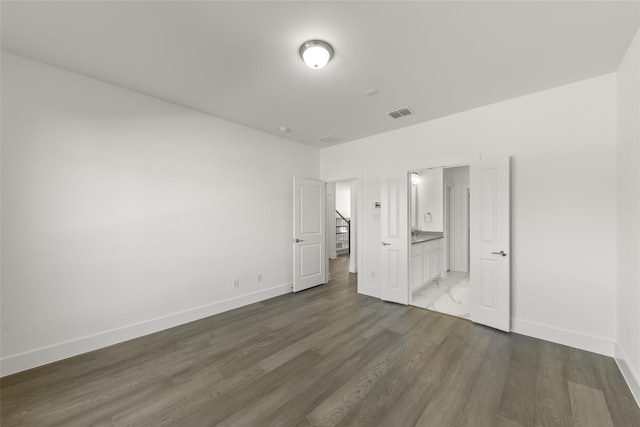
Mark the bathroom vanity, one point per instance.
(427, 258)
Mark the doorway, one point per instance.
(341, 224)
(490, 231)
(439, 255)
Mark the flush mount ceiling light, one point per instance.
(316, 53)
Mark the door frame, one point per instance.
(330, 204)
(310, 239)
(453, 163)
(356, 250)
(467, 190)
(466, 227)
(449, 225)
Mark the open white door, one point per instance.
(394, 233)
(490, 275)
(309, 241)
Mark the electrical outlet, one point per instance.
(373, 274)
(259, 278)
(236, 283)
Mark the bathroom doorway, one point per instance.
(440, 264)
(404, 251)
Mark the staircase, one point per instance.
(343, 234)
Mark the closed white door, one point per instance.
(490, 273)
(394, 232)
(309, 235)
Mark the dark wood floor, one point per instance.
(325, 357)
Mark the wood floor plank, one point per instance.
(550, 416)
(384, 324)
(279, 402)
(505, 422)
(484, 396)
(407, 320)
(518, 399)
(409, 405)
(319, 340)
(622, 407)
(296, 409)
(589, 408)
(372, 407)
(553, 405)
(99, 386)
(449, 398)
(581, 368)
(173, 405)
(103, 414)
(324, 357)
(340, 402)
(224, 405)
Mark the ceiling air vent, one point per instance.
(396, 114)
(329, 139)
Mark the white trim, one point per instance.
(41, 356)
(330, 204)
(359, 179)
(359, 230)
(371, 291)
(466, 229)
(562, 336)
(449, 225)
(628, 373)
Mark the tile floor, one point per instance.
(449, 295)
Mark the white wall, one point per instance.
(430, 200)
(458, 180)
(123, 214)
(628, 350)
(343, 198)
(563, 147)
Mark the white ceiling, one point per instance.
(239, 60)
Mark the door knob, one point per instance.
(297, 240)
(385, 244)
(502, 253)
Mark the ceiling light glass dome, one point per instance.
(316, 53)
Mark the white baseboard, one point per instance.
(628, 372)
(41, 356)
(561, 336)
(369, 290)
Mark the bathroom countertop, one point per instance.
(425, 237)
